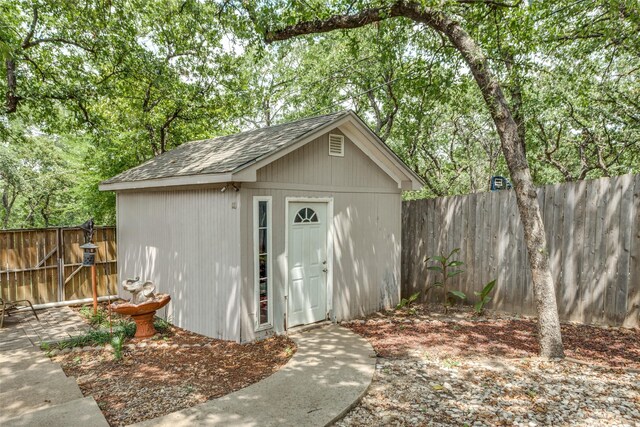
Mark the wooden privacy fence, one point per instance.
(45, 265)
(593, 238)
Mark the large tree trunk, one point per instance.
(12, 98)
(510, 138)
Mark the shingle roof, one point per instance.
(226, 153)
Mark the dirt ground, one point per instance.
(399, 333)
(172, 371)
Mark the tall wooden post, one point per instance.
(94, 288)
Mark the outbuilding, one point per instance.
(265, 230)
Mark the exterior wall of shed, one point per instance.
(366, 222)
(187, 243)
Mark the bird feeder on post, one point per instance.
(89, 259)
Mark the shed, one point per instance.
(264, 230)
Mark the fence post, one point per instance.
(60, 251)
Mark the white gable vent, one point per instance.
(336, 145)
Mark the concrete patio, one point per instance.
(35, 391)
(22, 330)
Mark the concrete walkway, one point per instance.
(23, 331)
(34, 391)
(331, 370)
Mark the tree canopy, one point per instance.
(92, 88)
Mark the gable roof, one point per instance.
(219, 159)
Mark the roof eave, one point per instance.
(417, 183)
(174, 181)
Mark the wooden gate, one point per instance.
(45, 265)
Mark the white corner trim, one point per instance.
(256, 263)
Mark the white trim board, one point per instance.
(256, 263)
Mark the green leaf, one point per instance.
(455, 273)
(459, 294)
(487, 288)
(434, 268)
(478, 306)
(440, 259)
(456, 250)
(455, 263)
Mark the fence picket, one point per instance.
(593, 239)
(34, 263)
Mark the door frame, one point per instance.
(330, 234)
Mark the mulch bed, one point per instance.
(174, 371)
(399, 334)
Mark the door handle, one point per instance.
(325, 270)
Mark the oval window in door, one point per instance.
(305, 215)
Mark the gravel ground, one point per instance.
(460, 370)
(524, 392)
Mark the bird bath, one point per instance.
(142, 306)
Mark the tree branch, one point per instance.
(56, 40)
(32, 29)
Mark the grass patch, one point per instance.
(100, 336)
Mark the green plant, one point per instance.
(288, 351)
(117, 343)
(100, 318)
(450, 363)
(404, 302)
(124, 328)
(161, 325)
(483, 296)
(447, 267)
(85, 311)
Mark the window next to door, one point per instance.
(262, 260)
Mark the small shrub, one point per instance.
(161, 325)
(484, 297)
(117, 342)
(447, 267)
(404, 302)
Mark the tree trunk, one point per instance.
(12, 84)
(512, 145)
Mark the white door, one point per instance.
(307, 254)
